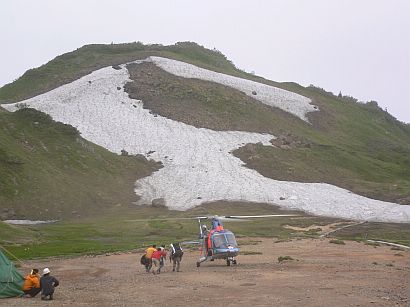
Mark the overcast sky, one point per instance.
(358, 47)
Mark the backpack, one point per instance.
(143, 260)
(176, 250)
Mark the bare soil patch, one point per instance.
(321, 274)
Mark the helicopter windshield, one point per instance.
(223, 240)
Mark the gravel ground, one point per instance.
(321, 274)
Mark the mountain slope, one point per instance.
(73, 65)
(356, 146)
(351, 145)
(48, 171)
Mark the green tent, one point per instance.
(11, 281)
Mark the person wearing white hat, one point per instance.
(48, 283)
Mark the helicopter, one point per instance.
(218, 242)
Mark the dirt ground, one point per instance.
(321, 274)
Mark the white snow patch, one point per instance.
(198, 164)
(28, 222)
(273, 96)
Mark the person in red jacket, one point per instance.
(156, 257)
(31, 286)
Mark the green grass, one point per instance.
(72, 65)
(10, 234)
(394, 233)
(47, 171)
(116, 230)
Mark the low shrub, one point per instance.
(337, 241)
(284, 258)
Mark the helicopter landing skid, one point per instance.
(229, 261)
(202, 259)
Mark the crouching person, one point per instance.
(48, 283)
(31, 286)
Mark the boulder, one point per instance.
(158, 203)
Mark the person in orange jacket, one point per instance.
(148, 256)
(31, 286)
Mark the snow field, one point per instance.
(28, 222)
(198, 164)
(293, 103)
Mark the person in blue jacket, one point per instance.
(47, 284)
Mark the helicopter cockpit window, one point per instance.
(231, 239)
(224, 240)
(219, 241)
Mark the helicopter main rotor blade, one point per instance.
(170, 219)
(189, 242)
(226, 217)
(162, 219)
(256, 216)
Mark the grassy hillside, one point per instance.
(356, 146)
(353, 145)
(47, 171)
(72, 65)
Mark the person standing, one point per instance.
(176, 256)
(156, 257)
(31, 286)
(163, 258)
(144, 261)
(148, 257)
(47, 284)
